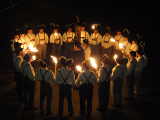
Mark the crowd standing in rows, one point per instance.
(82, 60)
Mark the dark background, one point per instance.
(132, 14)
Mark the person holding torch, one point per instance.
(85, 82)
(119, 73)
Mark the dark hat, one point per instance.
(27, 57)
(42, 26)
(133, 53)
(69, 62)
(43, 63)
(85, 41)
(63, 60)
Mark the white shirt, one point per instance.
(84, 35)
(28, 70)
(105, 40)
(119, 71)
(95, 38)
(86, 77)
(104, 73)
(56, 38)
(68, 36)
(65, 76)
(30, 39)
(41, 38)
(45, 75)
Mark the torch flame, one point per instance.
(112, 40)
(55, 60)
(115, 57)
(32, 49)
(93, 62)
(121, 45)
(78, 68)
(34, 57)
(93, 27)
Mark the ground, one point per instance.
(141, 109)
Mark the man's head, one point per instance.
(96, 31)
(63, 61)
(55, 30)
(41, 30)
(85, 43)
(69, 29)
(27, 57)
(133, 54)
(29, 31)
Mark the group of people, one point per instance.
(111, 74)
(59, 44)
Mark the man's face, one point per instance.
(55, 30)
(30, 31)
(83, 28)
(41, 30)
(69, 29)
(16, 37)
(133, 42)
(118, 33)
(95, 31)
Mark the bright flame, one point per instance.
(112, 40)
(121, 45)
(78, 68)
(32, 49)
(93, 27)
(56, 34)
(115, 57)
(93, 62)
(34, 57)
(55, 60)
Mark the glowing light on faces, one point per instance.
(34, 57)
(112, 40)
(78, 68)
(93, 62)
(32, 49)
(55, 60)
(121, 45)
(56, 34)
(115, 57)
